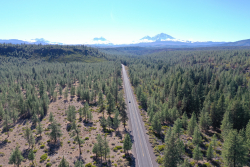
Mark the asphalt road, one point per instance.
(141, 145)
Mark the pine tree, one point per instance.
(177, 127)
(7, 121)
(95, 149)
(116, 121)
(173, 151)
(109, 122)
(79, 164)
(80, 113)
(14, 115)
(39, 128)
(106, 149)
(66, 93)
(71, 114)
(34, 119)
(1, 111)
(101, 103)
(156, 123)
(123, 113)
(55, 131)
(214, 141)
(204, 121)
(127, 144)
(89, 115)
(103, 122)
(28, 135)
(41, 88)
(184, 120)
(100, 145)
(192, 124)
(247, 133)
(31, 156)
(111, 103)
(197, 136)
(85, 110)
(77, 138)
(185, 163)
(210, 152)
(234, 150)
(197, 154)
(51, 117)
(63, 163)
(60, 91)
(16, 157)
(226, 125)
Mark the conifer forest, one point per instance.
(65, 105)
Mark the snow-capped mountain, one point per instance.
(32, 41)
(97, 41)
(158, 37)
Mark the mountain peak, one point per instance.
(158, 37)
(99, 39)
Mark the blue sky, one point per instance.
(122, 21)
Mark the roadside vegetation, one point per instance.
(195, 105)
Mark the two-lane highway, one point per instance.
(143, 156)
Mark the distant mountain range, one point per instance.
(159, 40)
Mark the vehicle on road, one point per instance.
(129, 101)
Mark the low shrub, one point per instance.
(43, 157)
(86, 138)
(42, 146)
(48, 164)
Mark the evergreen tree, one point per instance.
(6, 121)
(77, 138)
(101, 103)
(185, 163)
(63, 163)
(1, 111)
(79, 164)
(111, 103)
(127, 144)
(234, 151)
(66, 93)
(41, 88)
(214, 141)
(55, 131)
(123, 113)
(100, 146)
(192, 124)
(71, 114)
(109, 122)
(31, 156)
(51, 117)
(28, 136)
(103, 122)
(106, 149)
(95, 149)
(60, 91)
(39, 128)
(184, 120)
(177, 127)
(197, 136)
(226, 125)
(116, 121)
(16, 157)
(14, 115)
(204, 121)
(156, 123)
(197, 154)
(34, 119)
(247, 133)
(89, 115)
(85, 110)
(174, 148)
(210, 152)
(80, 113)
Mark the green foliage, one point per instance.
(79, 163)
(197, 136)
(197, 154)
(16, 157)
(44, 157)
(210, 152)
(55, 131)
(192, 124)
(234, 151)
(127, 144)
(63, 163)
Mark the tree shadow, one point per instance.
(38, 139)
(25, 153)
(3, 143)
(53, 147)
(79, 158)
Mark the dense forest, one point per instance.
(195, 104)
(200, 97)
